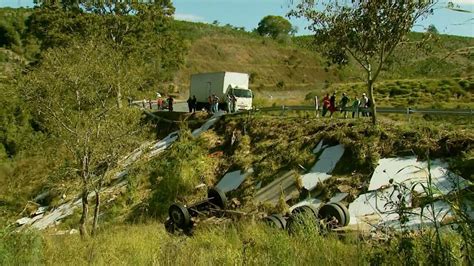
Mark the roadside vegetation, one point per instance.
(53, 82)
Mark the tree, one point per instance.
(141, 30)
(274, 26)
(72, 91)
(367, 31)
(432, 29)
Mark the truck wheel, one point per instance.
(179, 215)
(329, 212)
(281, 220)
(217, 197)
(274, 221)
(306, 209)
(347, 215)
(303, 217)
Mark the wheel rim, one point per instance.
(344, 209)
(217, 197)
(330, 211)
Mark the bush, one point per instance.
(178, 171)
(23, 248)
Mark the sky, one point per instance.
(247, 13)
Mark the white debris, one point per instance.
(318, 147)
(23, 221)
(338, 197)
(41, 210)
(313, 202)
(232, 180)
(57, 214)
(410, 171)
(379, 206)
(324, 166)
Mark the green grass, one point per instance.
(245, 243)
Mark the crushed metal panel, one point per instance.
(375, 205)
(318, 147)
(338, 197)
(314, 202)
(410, 171)
(232, 180)
(286, 185)
(326, 163)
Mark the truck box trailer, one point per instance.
(223, 85)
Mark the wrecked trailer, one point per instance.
(181, 217)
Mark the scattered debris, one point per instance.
(184, 218)
(284, 185)
(233, 180)
(378, 207)
(323, 167)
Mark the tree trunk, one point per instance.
(373, 109)
(85, 213)
(96, 212)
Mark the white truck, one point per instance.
(221, 84)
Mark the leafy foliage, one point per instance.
(368, 31)
(274, 26)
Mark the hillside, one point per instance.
(294, 64)
(69, 142)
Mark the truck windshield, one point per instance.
(243, 93)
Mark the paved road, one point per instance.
(179, 106)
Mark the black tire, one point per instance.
(299, 218)
(328, 211)
(179, 215)
(217, 197)
(281, 220)
(273, 221)
(305, 209)
(347, 215)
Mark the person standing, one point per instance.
(363, 104)
(215, 100)
(170, 101)
(332, 104)
(210, 101)
(190, 104)
(233, 102)
(355, 107)
(326, 104)
(159, 103)
(343, 104)
(194, 103)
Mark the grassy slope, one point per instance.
(298, 65)
(286, 141)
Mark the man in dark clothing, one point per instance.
(190, 103)
(170, 101)
(343, 104)
(332, 104)
(194, 103)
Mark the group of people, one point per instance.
(213, 101)
(361, 105)
(160, 102)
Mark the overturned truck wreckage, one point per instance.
(181, 216)
(327, 217)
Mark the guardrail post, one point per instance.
(282, 110)
(408, 113)
(316, 105)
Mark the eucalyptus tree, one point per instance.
(72, 93)
(367, 31)
(137, 29)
